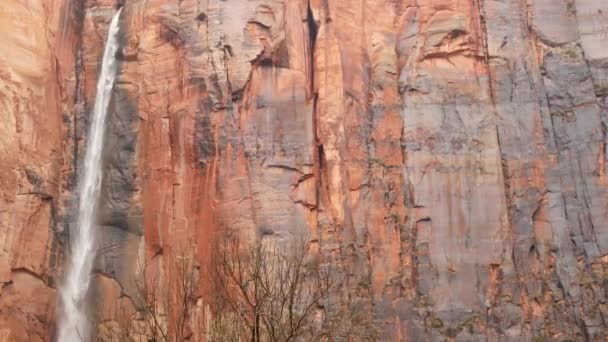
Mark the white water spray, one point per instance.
(73, 322)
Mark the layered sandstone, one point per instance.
(449, 155)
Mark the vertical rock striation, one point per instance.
(449, 156)
(39, 40)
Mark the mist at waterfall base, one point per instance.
(73, 323)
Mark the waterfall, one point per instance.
(73, 323)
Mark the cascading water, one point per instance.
(73, 322)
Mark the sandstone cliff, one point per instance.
(450, 154)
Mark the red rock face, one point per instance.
(450, 155)
(38, 40)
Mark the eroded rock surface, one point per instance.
(39, 42)
(449, 155)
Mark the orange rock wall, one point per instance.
(39, 42)
(449, 154)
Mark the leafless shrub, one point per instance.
(260, 291)
(162, 302)
(271, 292)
